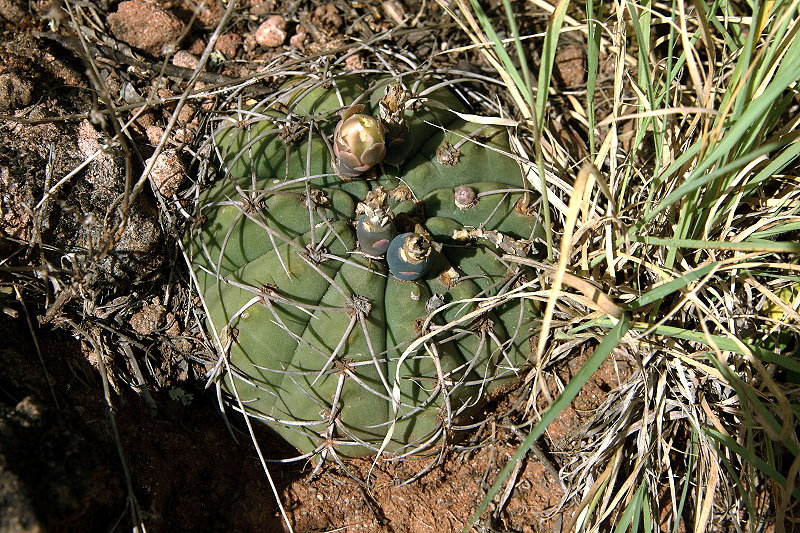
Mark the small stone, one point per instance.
(143, 118)
(327, 16)
(210, 13)
(354, 62)
(164, 93)
(260, 8)
(272, 33)
(14, 91)
(249, 43)
(154, 133)
(298, 40)
(130, 95)
(149, 318)
(93, 144)
(184, 135)
(146, 26)
(196, 46)
(89, 139)
(229, 44)
(570, 66)
(394, 10)
(169, 173)
(186, 114)
(184, 59)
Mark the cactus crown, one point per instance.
(324, 344)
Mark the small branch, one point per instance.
(73, 44)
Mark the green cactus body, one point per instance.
(317, 334)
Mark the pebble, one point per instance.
(298, 40)
(272, 33)
(184, 59)
(146, 26)
(168, 172)
(228, 44)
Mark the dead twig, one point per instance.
(73, 44)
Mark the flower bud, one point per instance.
(465, 197)
(358, 142)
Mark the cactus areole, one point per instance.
(321, 341)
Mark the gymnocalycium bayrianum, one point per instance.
(340, 353)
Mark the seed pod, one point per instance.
(465, 197)
(409, 256)
(358, 142)
(375, 230)
(374, 234)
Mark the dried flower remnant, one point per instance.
(399, 135)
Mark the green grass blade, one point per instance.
(524, 87)
(739, 143)
(764, 246)
(502, 54)
(742, 66)
(548, 59)
(647, 514)
(777, 230)
(545, 73)
(632, 516)
(733, 471)
(775, 166)
(572, 389)
(592, 64)
(749, 456)
(698, 179)
(687, 482)
(662, 291)
(723, 343)
(521, 55)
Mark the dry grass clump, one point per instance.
(679, 238)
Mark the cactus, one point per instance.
(323, 341)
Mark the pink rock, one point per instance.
(229, 44)
(145, 26)
(168, 172)
(298, 40)
(272, 32)
(184, 59)
(354, 62)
